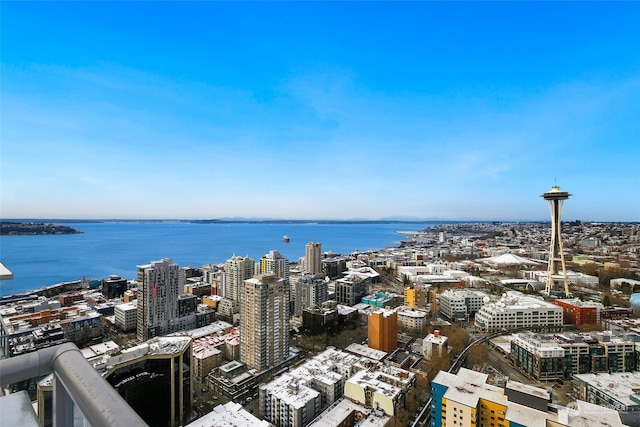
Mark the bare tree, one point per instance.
(478, 354)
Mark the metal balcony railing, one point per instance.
(76, 384)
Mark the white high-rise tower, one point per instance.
(274, 263)
(159, 285)
(237, 269)
(556, 270)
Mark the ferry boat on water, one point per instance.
(285, 238)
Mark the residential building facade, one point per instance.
(516, 310)
(264, 322)
(413, 321)
(549, 357)
(237, 269)
(126, 316)
(383, 330)
(159, 285)
(274, 263)
(618, 391)
(466, 400)
(460, 304)
(577, 312)
(310, 291)
(313, 258)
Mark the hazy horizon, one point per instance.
(311, 220)
(453, 111)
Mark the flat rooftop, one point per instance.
(619, 385)
(363, 350)
(230, 414)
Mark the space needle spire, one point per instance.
(556, 270)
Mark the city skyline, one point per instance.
(318, 110)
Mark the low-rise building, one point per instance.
(318, 319)
(465, 400)
(460, 304)
(197, 288)
(206, 357)
(126, 316)
(228, 415)
(345, 413)
(114, 287)
(412, 320)
(516, 310)
(327, 374)
(573, 278)
(379, 299)
(429, 274)
(219, 335)
(618, 391)
(434, 344)
(380, 387)
(289, 402)
(577, 312)
(351, 289)
(79, 324)
(548, 357)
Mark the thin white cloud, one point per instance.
(125, 132)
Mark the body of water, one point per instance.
(107, 248)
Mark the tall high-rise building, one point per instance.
(313, 258)
(310, 291)
(264, 322)
(159, 285)
(274, 263)
(556, 270)
(383, 330)
(237, 269)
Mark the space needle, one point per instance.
(555, 197)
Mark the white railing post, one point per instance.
(77, 385)
(62, 404)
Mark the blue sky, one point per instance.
(319, 110)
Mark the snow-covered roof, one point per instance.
(509, 259)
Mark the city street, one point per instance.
(502, 365)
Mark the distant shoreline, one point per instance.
(45, 225)
(16, 228)
(270, 221)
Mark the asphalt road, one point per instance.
(500, 363)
